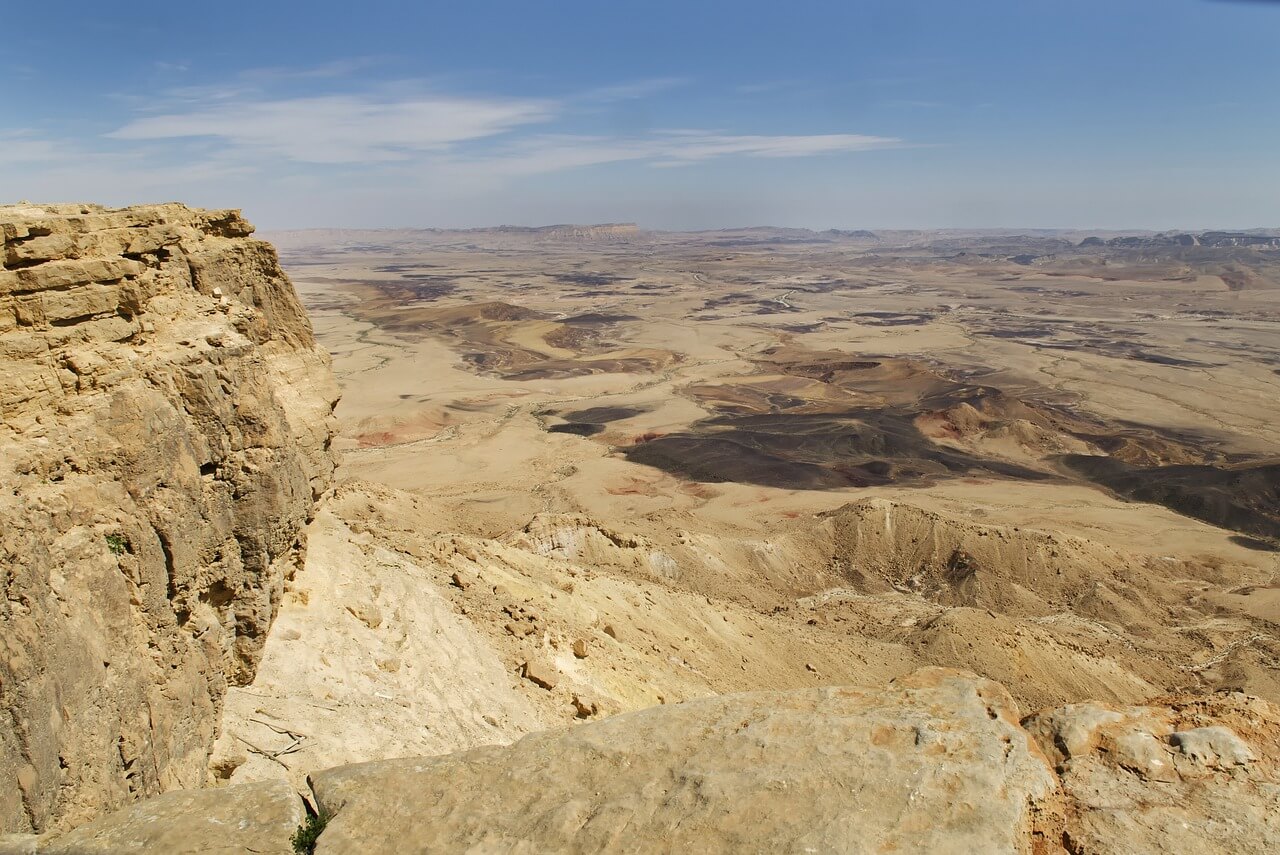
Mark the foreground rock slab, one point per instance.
(937, 762)
(258, 817)
(934, 763)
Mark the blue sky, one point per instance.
(911, 113)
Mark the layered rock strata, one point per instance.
(165, 423)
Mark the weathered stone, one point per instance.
(18, 844)
(258, 817)
(81, 302)
(540, 674)
(1215, 747)
(152, 495)
(1196, 775)
(8, 282)
(40, 249)
(367, 613)
(934, 763)
(64, 274)
(585, 707)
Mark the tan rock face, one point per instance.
(934, 763)
(165, 421)
(332, 689)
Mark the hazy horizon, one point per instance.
(762, 226)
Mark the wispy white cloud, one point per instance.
(336, 68)
(634, 89)
(693, 146)
(25, 146)
(343, 128)
(380, 128)
(248, 85)
(279, 136)
(553, 153)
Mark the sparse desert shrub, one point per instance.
(117, 543)
(304, 839)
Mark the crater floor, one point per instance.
(627, 470)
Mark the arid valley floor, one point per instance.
(660, 466)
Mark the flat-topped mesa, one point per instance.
(165, 423)
(572, 231)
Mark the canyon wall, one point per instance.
(165, 423)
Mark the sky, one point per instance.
(1120, 114)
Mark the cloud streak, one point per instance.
(553, 153)
(693, 146)
(343, 128)
(24, 146)
(255, 140)
(633, 90)
(373, 129)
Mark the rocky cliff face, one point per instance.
(165, 421)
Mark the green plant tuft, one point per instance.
(117, 543)
(304, 839)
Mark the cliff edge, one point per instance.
(165, 423)
(937, 761)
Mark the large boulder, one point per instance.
(934, 763)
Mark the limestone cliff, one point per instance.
(165, 422)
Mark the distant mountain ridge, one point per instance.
(1259, 238)
(1021, 246)
(571, 230)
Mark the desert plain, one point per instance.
(593, 469)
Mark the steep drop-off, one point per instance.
(165, 422)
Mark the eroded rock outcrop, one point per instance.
(1181, 775)
(165, 421)
(936, 762)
